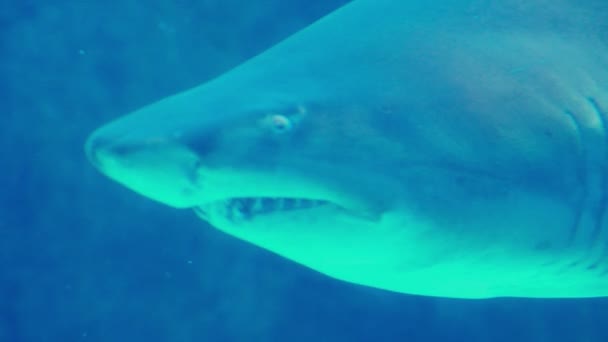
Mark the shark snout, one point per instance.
(101, 149)
(155, 166)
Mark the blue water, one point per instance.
(83, 259)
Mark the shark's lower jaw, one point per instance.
(242, 209)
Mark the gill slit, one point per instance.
(582, 171)
(603, 187)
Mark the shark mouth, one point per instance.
(241, 209)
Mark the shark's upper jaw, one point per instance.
(241, 210)
(238, 196)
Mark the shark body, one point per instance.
(455, 149)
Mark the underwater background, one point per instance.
(84, 259)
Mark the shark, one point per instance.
(453, 148)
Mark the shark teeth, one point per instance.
(245, 208)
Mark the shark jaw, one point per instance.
(245, 209)
(170, 173)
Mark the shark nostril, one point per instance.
(99, 148)
(94, 147)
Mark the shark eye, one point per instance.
(279, 123)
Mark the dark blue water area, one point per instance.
(83, 259)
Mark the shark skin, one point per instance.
(455, 149)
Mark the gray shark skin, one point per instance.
(455, 149)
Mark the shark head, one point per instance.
(240, 153)
(274, 166)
